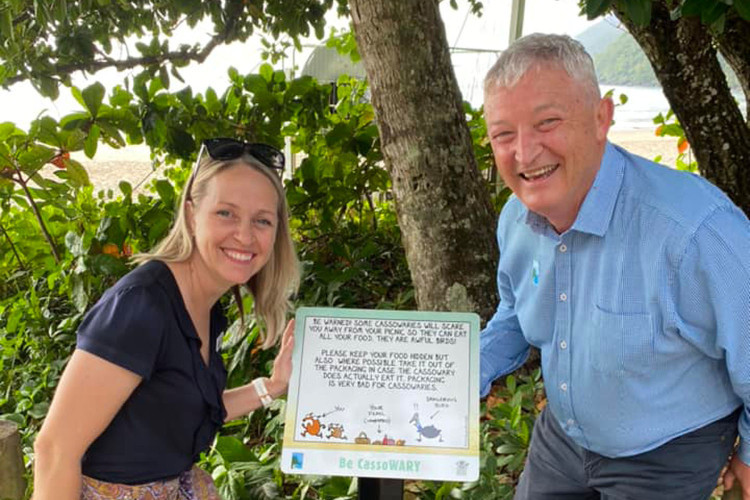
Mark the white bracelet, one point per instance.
(262, 391)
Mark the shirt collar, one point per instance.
(598, 206)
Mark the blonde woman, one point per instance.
(144, 392)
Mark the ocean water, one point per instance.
(643, 104)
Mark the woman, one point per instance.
(143, 394)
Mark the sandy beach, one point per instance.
(132, 164)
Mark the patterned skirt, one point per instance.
(194, 484)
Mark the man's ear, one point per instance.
(605, 111)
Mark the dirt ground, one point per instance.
(132, 164)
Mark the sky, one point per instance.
(21, 104)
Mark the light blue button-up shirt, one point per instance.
(641, 309)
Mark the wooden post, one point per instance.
(12, 484)
(370, 488)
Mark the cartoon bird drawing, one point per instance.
(429, 432)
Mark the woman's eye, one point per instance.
(223, 213)
(265, 222)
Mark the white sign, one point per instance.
(392, 394)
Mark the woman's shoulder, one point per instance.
(152, 277)
(148, 288)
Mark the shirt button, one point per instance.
(564, 386)
(563, 297)
(563, 344)
(570, 422)
(563, 248)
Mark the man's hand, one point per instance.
(738, 473)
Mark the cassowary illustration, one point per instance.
(428, 432)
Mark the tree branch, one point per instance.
(12, 247)
(121, 65)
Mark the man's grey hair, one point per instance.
(542, 49)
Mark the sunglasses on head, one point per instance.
(224, 149)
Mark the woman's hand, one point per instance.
(282, 365)
(242, 400)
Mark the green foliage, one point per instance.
(509, 415)
(713, 13)
(668, 125)
(44, 41)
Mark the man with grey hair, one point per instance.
(631, 278)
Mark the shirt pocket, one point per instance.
(623, 342)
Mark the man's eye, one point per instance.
(548, 124)
(502, 136)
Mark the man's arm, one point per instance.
(503, 347)
(714, 299)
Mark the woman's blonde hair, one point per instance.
(277, 279)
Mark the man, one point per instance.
(631, 278)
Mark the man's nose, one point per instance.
(528, 147)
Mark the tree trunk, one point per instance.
(12, 484)
(444, 211)
(734, 46)
(684, 59)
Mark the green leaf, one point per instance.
(126, 188)
(47, 86)
(77, 120)
(256, 84)
(45, 130)
(6, 23)
(93, 95)
(505, 449)
(712, 13)
(181, 142)
(120, 97)
(338, 134)
(743, 9)
(7, 129)
(299, 86)
(92, 141)
(166, 191)
(233, 450)
(15, 418)
(39, 410)
(78, 294)
(158, 229)
(266, 71)
(76, 173)
(34, 157)
(595, 8)
(74, 243)
(639, 11)
(692, 7)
